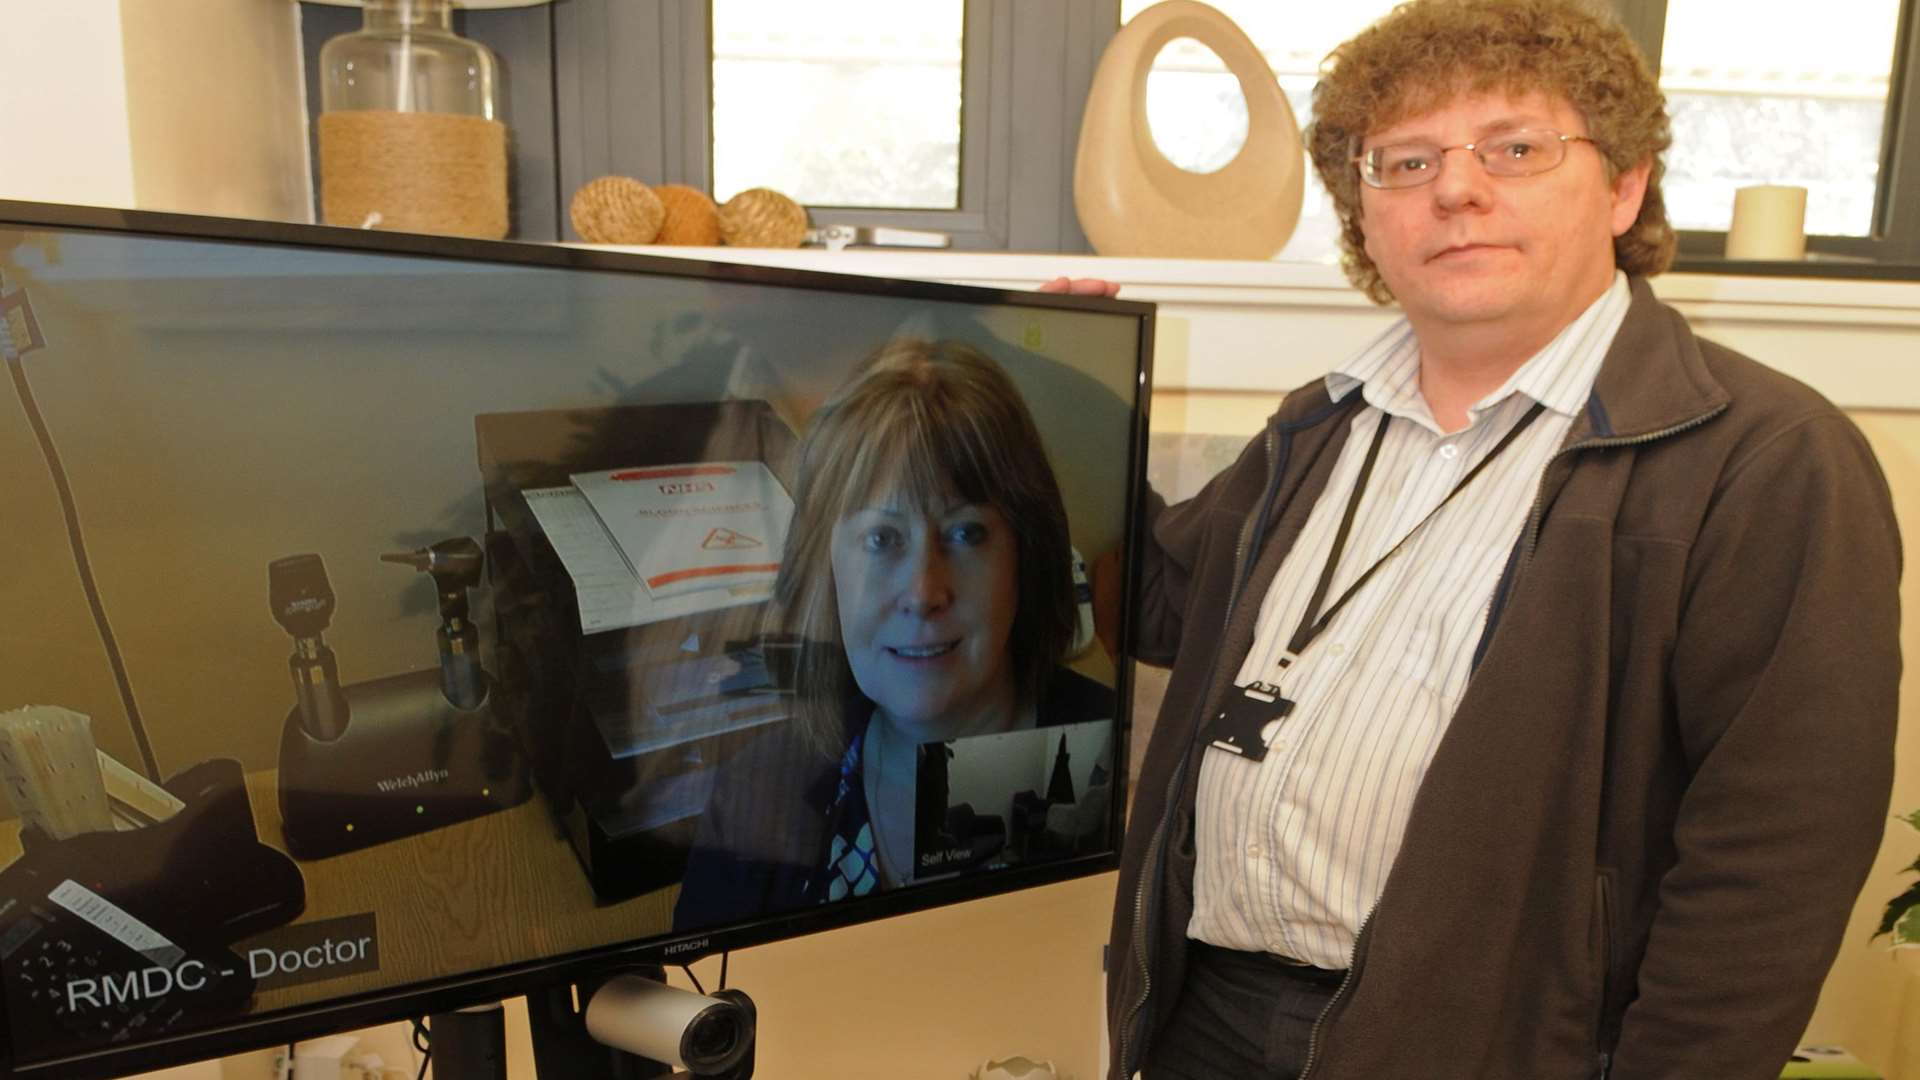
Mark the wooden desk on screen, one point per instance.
(497, 890)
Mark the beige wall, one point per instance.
(216, 107)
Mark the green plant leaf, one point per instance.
(1912, 819)
(1907, 933)
(1897, 909)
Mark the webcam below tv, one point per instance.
(412, 623)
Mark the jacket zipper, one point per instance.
(1156, 847)
(1353, 971)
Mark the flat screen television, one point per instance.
(394, 623)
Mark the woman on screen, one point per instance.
(928, 578)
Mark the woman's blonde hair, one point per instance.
(1427, 52)
(937, 420)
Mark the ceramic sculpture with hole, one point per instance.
(1132, 201)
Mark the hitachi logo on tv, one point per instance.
(686, 946)
(413, 780)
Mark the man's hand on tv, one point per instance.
(1081, 287)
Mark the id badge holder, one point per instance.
(1246, 712)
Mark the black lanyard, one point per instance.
(1311, 627)
(1243, 717)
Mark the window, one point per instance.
(1807, 108)
(653, 89)
(838, 102)
(1828, 103)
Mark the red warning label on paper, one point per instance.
(670, 472)
(728, 540)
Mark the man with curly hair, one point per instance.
(1534, 673)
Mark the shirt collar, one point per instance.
(1559, 376)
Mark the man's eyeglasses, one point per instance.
(1510, 153)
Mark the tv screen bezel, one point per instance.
(466, 989)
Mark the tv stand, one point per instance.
(470, 1044)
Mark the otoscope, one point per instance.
(455, 566)
(396, 755)
(302, 601)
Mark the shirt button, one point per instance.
(1337, 649)
(1449, 451)
(1253, 850)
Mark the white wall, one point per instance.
(63, 103)
(195, 106)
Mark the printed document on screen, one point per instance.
(609, 596)
(693, 527)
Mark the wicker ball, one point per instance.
(762, 217)
(616, 210)
(692, 218)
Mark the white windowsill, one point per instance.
(1775, 299)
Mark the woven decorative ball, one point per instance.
(692, 218)
(616, 210)
(762, 217)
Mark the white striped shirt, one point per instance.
(1294, 850)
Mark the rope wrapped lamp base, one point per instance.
(419, 172)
